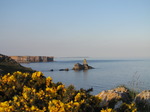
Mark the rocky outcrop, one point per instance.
(8, 65)
(83, 66)
(142, 100)
(66, 69)
(114, 98)
(78, 66)
(118, 97)
(27, 59)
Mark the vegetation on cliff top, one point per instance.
(8, 65)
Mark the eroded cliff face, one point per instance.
(26, 59)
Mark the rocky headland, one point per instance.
(9, 65)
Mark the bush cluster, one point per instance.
(34, 92)
(26, 92)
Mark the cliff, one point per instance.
(26, 59)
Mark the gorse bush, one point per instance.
(34, 92)
(26, 92)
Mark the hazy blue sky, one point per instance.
(94, 28)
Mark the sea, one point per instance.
(106, 75)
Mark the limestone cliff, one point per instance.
(26, 59)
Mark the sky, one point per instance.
(106, 29)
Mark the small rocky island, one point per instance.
(77, 66)
(83, 66)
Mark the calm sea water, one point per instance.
(106, 75)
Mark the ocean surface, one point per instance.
(107, 74)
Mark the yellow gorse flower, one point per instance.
(56, 106)
(77, 97)
(48, 81)
(5, 107)
(108, 110)
(37, 75)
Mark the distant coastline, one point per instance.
(28, 59)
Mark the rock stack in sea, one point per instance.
(83, 66)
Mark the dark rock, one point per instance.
(142, 100)
(61, 69)
(78, 66)
(64, 69)
(67, 69)
(51, 70)
(90, 67)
